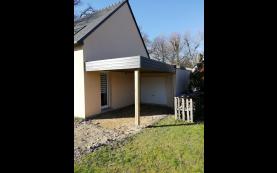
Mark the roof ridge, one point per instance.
(111, 5)
(101, 10)
(86, 24)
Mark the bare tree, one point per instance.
(83, 12)
(160, 49)
(146, 40)
(197, 76)
(89, 10)
(191, 50)
(76, 3)
(176, 47)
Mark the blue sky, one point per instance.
(162, 17)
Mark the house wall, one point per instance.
(174, 83)
(87, 98)
(182, 81)
(79, 88)
(116, 37)
(92, 93)
(121, 89)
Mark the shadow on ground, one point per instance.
(129, 111)
(171, 125)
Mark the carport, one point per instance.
(136, 65)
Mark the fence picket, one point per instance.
(187, 110)
(178, 107)
(183, 108)
(191, 110)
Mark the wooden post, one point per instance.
(137, 97)
(175, 107)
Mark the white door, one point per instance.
(153, 90)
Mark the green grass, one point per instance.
(170, 146)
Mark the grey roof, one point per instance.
(129, 64)
(84, 26)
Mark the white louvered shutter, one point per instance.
(103, 82)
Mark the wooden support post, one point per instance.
(137, 97)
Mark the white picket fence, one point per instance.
(183, 109)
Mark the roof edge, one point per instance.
(99, 24)
(137, 28)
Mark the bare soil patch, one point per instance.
(111, 127)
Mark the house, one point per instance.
(112, 68)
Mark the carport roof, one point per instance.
(129, 63)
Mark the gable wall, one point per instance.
(116, 37)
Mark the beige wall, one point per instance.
(79, 89)
(92, 93)
(87, 98)
(116, 37)
(121, 89)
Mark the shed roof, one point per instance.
(129, 63)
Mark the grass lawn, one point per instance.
(168, 146)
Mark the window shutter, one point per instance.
(103, 82)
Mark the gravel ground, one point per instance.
(112, 127)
